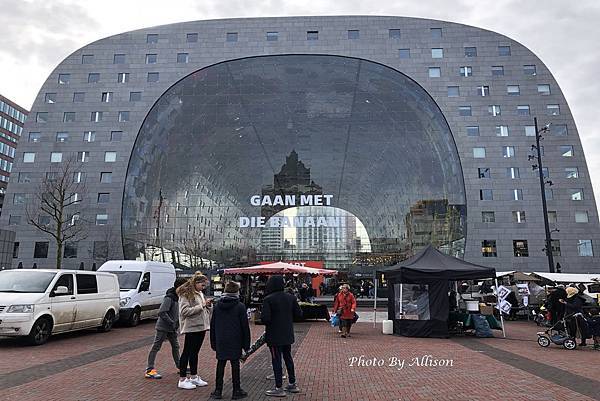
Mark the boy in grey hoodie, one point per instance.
(166, 329)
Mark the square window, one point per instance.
(435, 72)
(55, 157)
(69, 117)
(513, 173)
(519, 216)
(404, 53)
(488, 217)
(110, 157)
(29, 157)
(513, 90)
(484, 172)
(116, 136)
(483, 90)
(353, 34)
(553, 109)
(78, 97)
(272, 36)
(44, 220)
(530, 130)
(581, 217)
(87, 59)
(135, 96)
(436, 33)
(497, 70)
(123, 116)
(107, 97)
(122, 77)
(508, 151)
(486, 194)
(182, 57)
(394, 33)
(479, 153)
(470, 52)
(473, 131)
(18, 199)
(566, 150)
(516, 194)
(152, 77)
(89, 136)
(494, 110)
(96, 116)
(312, 35)
(41, 250)
(453, 91)
(576, 194)
(35, 137)
(151, 58)
(488, 249)
(559, 129)
(571, 172)
(51, 176)
(232, 37)
(101, 219)
(78, 177)
(464, 111)
(62, 136)
(523, 110)
(64, 79)
(152, 38)
(41, 117)
(520, 248)
(100, 250)
(466, 71)
(504, 50)
(437, 53)
(83, 157)
(24, 177)
(14, 220)
(50, 98)
(93, 77)
(106, 178)
(552, 218)
(501, 130)
(584, 247)
(103, 197)
(529, 70)
(70, 251)
(191, 37)
(543, 89)
(119, 59)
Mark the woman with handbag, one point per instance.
(345, 307)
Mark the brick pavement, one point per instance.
(322, 368)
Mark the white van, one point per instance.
(37, 303)
(143, 286)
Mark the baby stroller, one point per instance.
(558, 335)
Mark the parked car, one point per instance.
(143, 286)
(36, 303)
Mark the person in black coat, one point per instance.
(574, 312)
(278, 312)
(229, 334)
(557, 309)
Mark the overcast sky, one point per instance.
(35, 35)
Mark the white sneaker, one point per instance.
(198, 382)
(186, 384)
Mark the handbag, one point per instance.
(355, 318)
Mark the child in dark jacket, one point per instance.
(229, 334)
(166, 329)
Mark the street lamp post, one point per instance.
(538, 137)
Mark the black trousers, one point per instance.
(189, 355)
(235, 374)
(285, 351)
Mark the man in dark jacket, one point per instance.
(278, 312)
(557, 309)
(229, 334)
(166, 329)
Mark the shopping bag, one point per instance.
(355, 318)
(335, 320)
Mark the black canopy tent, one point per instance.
(431, 272)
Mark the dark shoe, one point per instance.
(582, 344)
(292, 388)
(239, 394)
(276, 392)
(216, 395)
(343, 336)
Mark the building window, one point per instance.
(62, 136)
(87, 59)
(96, 116)
(69, 117)
(51, 176)
(470, 52)
(191, 37)
(44, 220)
(435, 72)
(103, 197)
(40, 250)
(488, 217)
(584, 247)
(501, 130)
(566, 150)
(353, 34)
(581, 217)
(107, 97)
(101, 219)
(182, 57)
(14, 220)
(513, 90)
(484, 172)
(15, 254)
(394, 33)
(519, 216)
(151, 58)
(231, 37)
(520, 248)
(116, 136)
(504, 50)
(93, 78)
(64, 79)
(549, 194)
(555, 246)
(523, 110)
(486, 194)
(559, 130)
(404, 53)
(50, 98)
(78, 177)
(516, 194)
(571, 172)
(18, 199)
(494, 110)
(152, 77)
(453, 91)
(497, 70)
(466, 71)
(35, 137)
(152, 38)
(89, 136)
(78, 97)
(119, 59)
(464, 111)
(122, 77)
(312, 35)
(24, 177)
(70, 250)
(552, 218)
(123, 116)
(437, 53)
(29, 157)
(272, 36)
(41, 117)
(479, 153)
(545, 172)
(513, 173)
(552, 109)
(530, 130)
(110, 157)
(436, 33)
(106, 178)
(473, 131)
(488, 248)
(529, 70)
(543, 89)
(508, 151)
(83, 157)
(576, 194)
(483, 90)
(135, 96)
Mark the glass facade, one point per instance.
(298, 157)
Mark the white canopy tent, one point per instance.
(568, 277)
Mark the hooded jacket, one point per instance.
(229, 328)
(168, 314)
(278, 312)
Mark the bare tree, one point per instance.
(110, 245)
(195, 248)
(56, 209)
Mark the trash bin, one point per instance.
(388, 327)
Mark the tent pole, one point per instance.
(501, 317)
(375, 301)
(457, 297)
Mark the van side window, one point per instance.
(66, 280)
(86, 284)
(145, 285)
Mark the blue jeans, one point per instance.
(277, 351)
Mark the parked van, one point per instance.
(143, 286)
(37, 303)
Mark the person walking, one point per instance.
(557, 308)
(166, 329)
(229, 334)
(345, 307)
(278, 313)
(194, 317)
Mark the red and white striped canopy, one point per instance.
(280, 268)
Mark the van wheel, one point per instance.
(134, 319)
(107, 322)
(40, 332)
